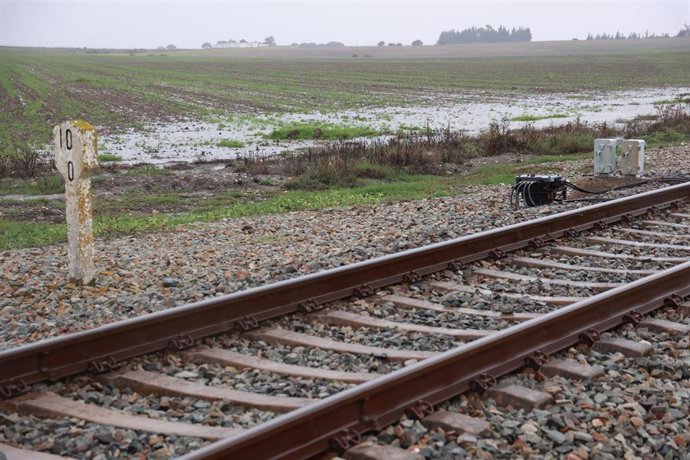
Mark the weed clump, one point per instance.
(26, 162)
(230, 143)
(320, 131)
(670, 125)
(439, 152)
(109, 157)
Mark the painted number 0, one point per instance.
(68, 144)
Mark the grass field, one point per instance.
(39, 88)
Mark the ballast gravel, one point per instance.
(306, 356)
(637, 409)
(152, 272)
(70, 437)
(450, 319)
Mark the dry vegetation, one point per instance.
(441, 152)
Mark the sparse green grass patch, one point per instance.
(109, 157)
(38, 186)
(15, 235)
(668, 137)
(539, 117)
(230, 143)
(563, 144)
(149, 170)
(26, 234)
(504, 173)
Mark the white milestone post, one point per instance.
(74, 146)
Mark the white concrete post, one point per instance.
(74, 146)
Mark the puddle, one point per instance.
(199, 140)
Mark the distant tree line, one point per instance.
(630, 36)
(485, 35)
(684, 32)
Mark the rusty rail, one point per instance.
(101, 348)
(311, 430)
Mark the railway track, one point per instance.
(307, 366)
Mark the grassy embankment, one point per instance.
(114, 217)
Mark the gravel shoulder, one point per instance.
(153, 272)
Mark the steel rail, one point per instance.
(102, 347)
(375, 404)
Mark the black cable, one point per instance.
(675, 179)
(518, 192)
(672, 179)
(538, 193)
(515, 195)
(580, 189)
(522, 191)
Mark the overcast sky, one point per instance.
(187, 24)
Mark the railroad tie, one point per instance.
(408, 302)
(598, 287)
(570, 369)
(144, 382)
(629, 348)
(344, 318)
(53, 405)
(661, 223)
(242, 361)
(636, 231)
(519, 397)
(662, 325)
(446, 286)
(601, 239)
(457, 422)
(570, 251)
(14, 453)
(285, 337)
(546, 263)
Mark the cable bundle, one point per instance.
(537, 190)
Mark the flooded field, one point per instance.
(187, 105)
(242, 135)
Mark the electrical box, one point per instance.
(537, 189)
(632, 157)
(605, 158)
